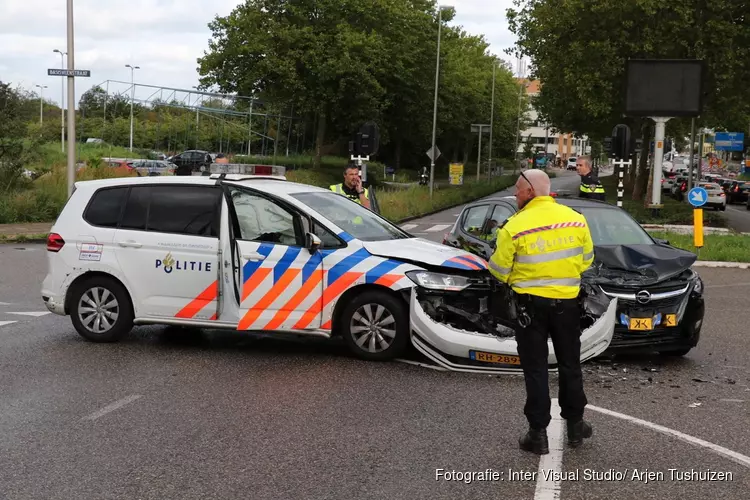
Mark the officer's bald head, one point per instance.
(539, 181)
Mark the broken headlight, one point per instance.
(439, 281)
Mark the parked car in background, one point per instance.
(191, 161)
(153, 167)
(660, 298)
(571, 164)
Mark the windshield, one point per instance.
(613, 227)
(351, 217)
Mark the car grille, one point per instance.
(663, 295)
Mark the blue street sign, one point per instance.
(390, 170)
(698, 197)
(729, 141)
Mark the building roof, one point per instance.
(532, 86)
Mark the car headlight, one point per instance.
(698, 288)
(439, 281)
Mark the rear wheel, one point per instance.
(101, 310)
(375, 326)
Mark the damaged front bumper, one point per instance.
(463, 351)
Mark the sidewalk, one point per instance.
(28, 229)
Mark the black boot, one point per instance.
(535, 441)
(577, 431)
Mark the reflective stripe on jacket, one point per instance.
(591, 187)
(543, 249)
(339, 188)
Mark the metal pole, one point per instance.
(250, 128)
(479, 151)
(518, 126)
(132, 98)
(289, 134)
(41, 103)
(71, 102)
(492, 117)
(692, 154)
(700, 154)
(434, 109)
(104, 119)
(62, 99)
(658, 159)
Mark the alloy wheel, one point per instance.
(373, 328)
(98, 310)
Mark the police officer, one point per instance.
(352, 186)
(590, 185)
(541, 252)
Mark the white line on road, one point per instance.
(548, 488)
(409, 227)
(727, 453)
(35, 314)
(4, 303)
(423, 365)
(112, 407)
(3, 323)
(728, 286)
(438, 227)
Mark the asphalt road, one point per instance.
(738, 217)
(172, 413)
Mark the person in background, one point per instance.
(220, 158)
(590, 186)
(352, 186)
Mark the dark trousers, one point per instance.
(559, 319)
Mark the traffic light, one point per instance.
(621, 142)
(366, 141)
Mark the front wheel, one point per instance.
(375, 326)
(101, 310)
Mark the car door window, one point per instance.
(327, 238)
(105, 207)
(474, 220)
(260, 219)
(192, 210)
(499, 215)
(136, 209)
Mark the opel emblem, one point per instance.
(643, 297)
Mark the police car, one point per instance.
(247, 250)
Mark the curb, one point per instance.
(717, 264)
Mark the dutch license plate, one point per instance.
(670, 320)
(489, 357)
(641, 324)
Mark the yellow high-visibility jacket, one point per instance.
(543, 249)
(339, 188)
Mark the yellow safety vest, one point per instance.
(339, 188)
(543, 249)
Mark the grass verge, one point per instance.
(716, 247)
(674, 212)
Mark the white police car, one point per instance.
(251, 251)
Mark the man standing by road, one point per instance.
(590, 185)
(541, 252)
(352, 186)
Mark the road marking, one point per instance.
(423, 365)
(720, 450)
(547, 488)
(409, 227)
(3, 323)
(728, 286)
(438, 227)
(35, 314)
(112, 407)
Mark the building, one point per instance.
(544, 138)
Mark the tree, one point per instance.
(579, 49)
(15, 151)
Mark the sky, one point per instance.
(163, 37)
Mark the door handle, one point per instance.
(129, 244)
(253, 256)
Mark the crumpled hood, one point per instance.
(426, 251)
(643, 263)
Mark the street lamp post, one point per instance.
(433, 156)
(62, 99)
(41, 102)
(132, 98)
(492, 116)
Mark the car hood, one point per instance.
(420, 250)
(639, 264)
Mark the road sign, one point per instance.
(476, 127)
(729, 141)
(698, 196)
(430, 153)
(68, 72)
(456, 171)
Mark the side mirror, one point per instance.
(312, 243)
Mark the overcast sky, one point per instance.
(163, 37)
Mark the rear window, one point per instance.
(105, 207)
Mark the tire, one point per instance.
(394, 317)
(103, 290)
(676, 352)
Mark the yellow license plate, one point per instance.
(641, 324)
(670, 320)
(489, 357)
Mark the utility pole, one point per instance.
(62, 99)
(492, 117)
(521, 72)
(71, 102)
(433, 157)
(132, 98)
(41, 102)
